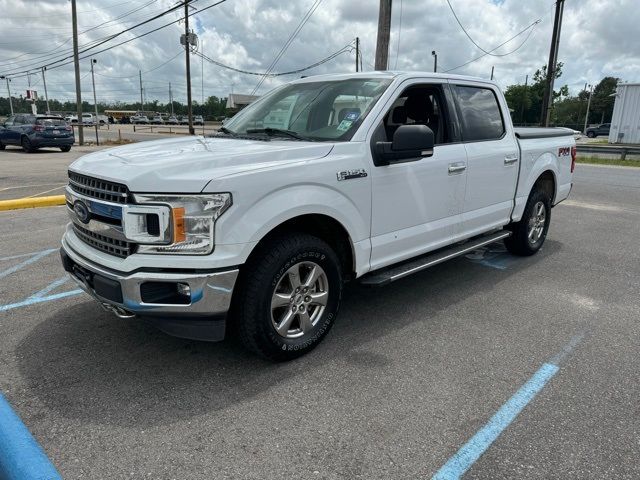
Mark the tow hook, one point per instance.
(117, 311)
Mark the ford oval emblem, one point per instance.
(81, 211)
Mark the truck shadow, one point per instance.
(90, 366)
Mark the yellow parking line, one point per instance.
(18, 203)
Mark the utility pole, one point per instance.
(435, 61)
(586, 117)
(492, 72)
(384, 31)
(547, 101)
(95, 102)
(171, 99)
(357, 52)
(187, 50)
(141, 100)
(46, 96)
(9, 93)
(76, 64)
(524, 98)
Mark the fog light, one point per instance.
(183, 289)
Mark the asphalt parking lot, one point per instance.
(410, 375)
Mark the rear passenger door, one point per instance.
(493, 157)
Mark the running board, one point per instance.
(396, 272)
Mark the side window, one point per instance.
(19, 120)
(420, 105)
(10, 121)
(479, 113)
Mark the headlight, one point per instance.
(192, 221)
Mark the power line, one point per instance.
(486, 52)
(286, 45)
(345, 49)
(399, 32)
(502, 44)
(53, 64)
(111, 37)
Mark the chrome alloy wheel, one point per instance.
(536, 222)
(299, 299)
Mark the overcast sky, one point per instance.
(599, 38)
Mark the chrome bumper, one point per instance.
(210, 291)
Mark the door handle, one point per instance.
(510, 159)
(456, 168)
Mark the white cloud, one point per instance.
(597, 40)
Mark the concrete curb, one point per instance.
(32, 202)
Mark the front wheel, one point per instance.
(530, 232)
(66, 148)
(288, 297)
(591, 134)
(2, 146)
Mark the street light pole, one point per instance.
(586, 117)
(9, 93)
(46, 96)
(435, 61)
(95, 102)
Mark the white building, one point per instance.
(625, 122)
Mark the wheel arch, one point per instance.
(322, 226)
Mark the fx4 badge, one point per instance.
(349, 174)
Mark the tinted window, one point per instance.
(51, 122)
(9, 121)
(480, 112)
(19, 120)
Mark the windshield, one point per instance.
(320, 111)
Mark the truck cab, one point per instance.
(367, 177)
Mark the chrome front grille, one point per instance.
(109, 245)
(98, 188)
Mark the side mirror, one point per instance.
(410, 142)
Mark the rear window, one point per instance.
(51, 122)
(480, 112)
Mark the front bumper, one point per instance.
(201, 317)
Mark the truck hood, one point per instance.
(187, 164)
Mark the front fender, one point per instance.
(249, 223)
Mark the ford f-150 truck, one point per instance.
(369, 177)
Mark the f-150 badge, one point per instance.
(349, 174)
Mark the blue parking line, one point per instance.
(459, 463)
(21, 265)
(34, 300)
(471, 451)
(21, 457)
(49, 288)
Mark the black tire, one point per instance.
(66, 148)
(26, 144)
(520, 242)
(591, 134)
(2, 146)
(264, 275)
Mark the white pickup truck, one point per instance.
(368, 177)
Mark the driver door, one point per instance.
(417, 204)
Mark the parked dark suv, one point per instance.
(603, 129)
(36, 131)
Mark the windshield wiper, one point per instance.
(279, 131)
(227, 131)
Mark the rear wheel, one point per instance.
(2, 146)
(26, 144)
(288, 297)
(531, 231)
(591, 134)
(65, 148)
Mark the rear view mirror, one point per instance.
(409, 142)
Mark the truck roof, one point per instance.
(399, 75)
